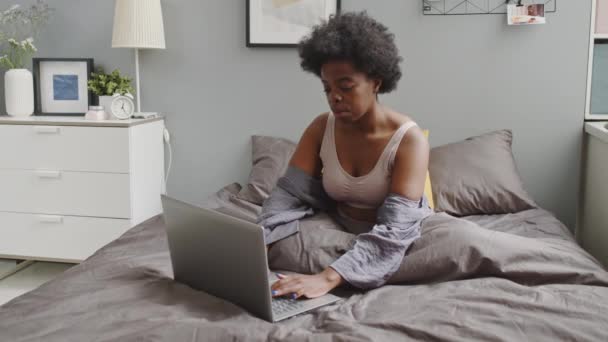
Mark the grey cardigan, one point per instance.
(375, 256)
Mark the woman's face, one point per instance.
(350, 93)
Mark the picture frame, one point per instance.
(530, 14)
(283, 23)
(61, 86)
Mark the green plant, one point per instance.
(102, 84)
(18, 28)
(18, 53)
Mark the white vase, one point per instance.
(19, 92)
(106, 102)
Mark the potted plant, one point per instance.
(105, 86)
(18, 28)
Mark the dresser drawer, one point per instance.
(57, 238)
(65, 193)
(73, 148)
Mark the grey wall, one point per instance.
(463, 75)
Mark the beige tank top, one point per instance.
(367, 191)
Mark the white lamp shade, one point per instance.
(138, 24)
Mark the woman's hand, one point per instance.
(310, 286)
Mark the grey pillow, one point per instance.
(270, 158)
(478, 176)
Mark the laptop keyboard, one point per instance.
(282, 305)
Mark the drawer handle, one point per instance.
(50, 219)
(48, 174)
(46, 130)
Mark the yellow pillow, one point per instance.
(428, 191)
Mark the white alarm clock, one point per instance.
(122, 106)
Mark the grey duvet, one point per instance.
(516, 277)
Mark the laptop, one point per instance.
(225, 256)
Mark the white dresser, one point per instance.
(69, 186)
(592, 230)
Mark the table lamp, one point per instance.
(138, 24)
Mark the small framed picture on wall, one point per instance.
(60, 85)
(283, 23)
(526, 14)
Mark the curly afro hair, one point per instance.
(355, 37)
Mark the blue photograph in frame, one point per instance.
(65, 87)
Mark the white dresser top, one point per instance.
(598, 129)
(72, 121)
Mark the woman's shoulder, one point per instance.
(399, 119)
(414, 135)
(314, 132)
(319, 123)
(321, 119)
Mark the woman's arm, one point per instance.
(411, 165)
(306, 156)
(298, 191)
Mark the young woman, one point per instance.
(361, 151)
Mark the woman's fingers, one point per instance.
(278, 285)
(286, 286)
(295, 286)
(282, 286)
(287, 291)
(299, 285)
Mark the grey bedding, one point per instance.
(507, 277)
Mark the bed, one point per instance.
(505, 277)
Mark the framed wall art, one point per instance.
(60, 85)
(283, 23)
